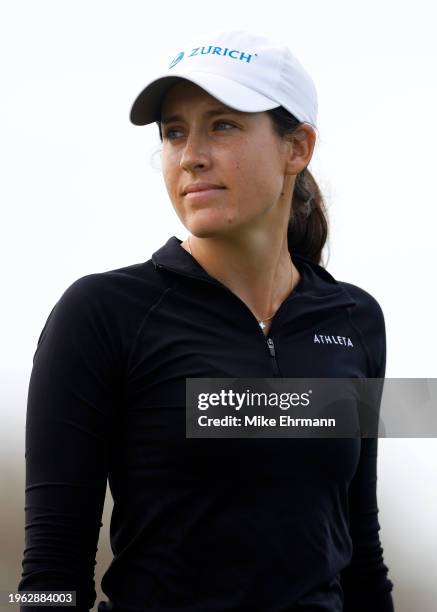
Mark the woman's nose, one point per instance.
(195, 153)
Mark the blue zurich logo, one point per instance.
(177, 59)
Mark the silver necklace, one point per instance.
(261, 322)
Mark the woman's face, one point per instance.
(205, 141)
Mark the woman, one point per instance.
(210, 524)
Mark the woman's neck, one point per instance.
(262, 282)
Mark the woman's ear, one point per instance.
(300, 151)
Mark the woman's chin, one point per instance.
(207, 226)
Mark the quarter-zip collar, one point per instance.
(315, 282)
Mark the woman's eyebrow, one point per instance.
(220, 110)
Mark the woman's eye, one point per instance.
(224, 123)
(170, 133)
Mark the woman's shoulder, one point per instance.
(319, 277)
(367, 313)
(364, 299)
(367, 318)
(114, 287)
(106, 303)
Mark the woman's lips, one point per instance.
(203, 194)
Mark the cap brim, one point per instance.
(147, 106)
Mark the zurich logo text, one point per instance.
(322, 339)
(234, 54)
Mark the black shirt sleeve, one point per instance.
(71, 401)
(365, 583)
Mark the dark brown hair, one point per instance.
(308, 224)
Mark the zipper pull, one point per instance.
(271, 346)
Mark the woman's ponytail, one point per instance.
(308, 224)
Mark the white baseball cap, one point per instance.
(245, 71)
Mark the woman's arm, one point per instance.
(365, 581)
(71, 402)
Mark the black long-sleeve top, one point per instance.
(198, 524)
